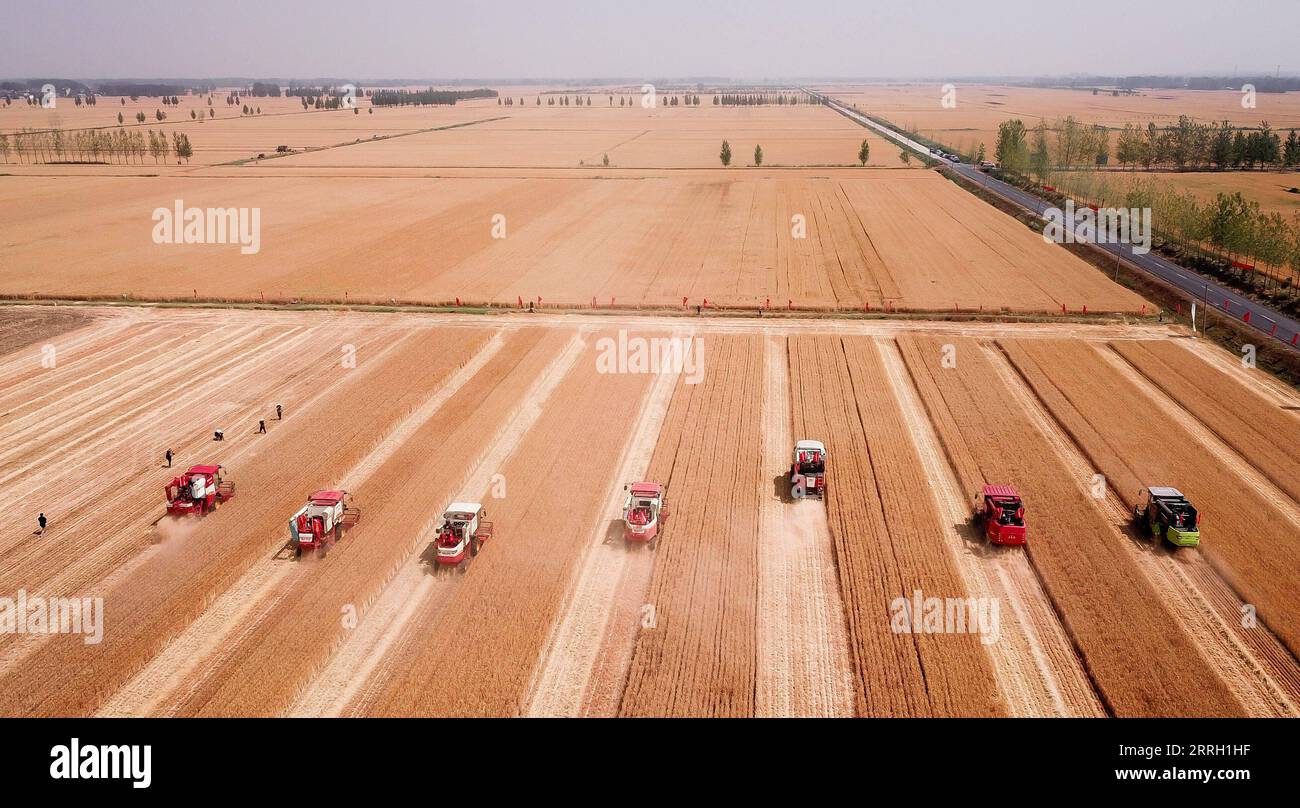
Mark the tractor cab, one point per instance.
(808, 471)
(1002, 513)
(462, 533)
(643, 513)
(198, 491)
(1168, 515)
(321, 523)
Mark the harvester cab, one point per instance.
(321, 523)
(643, 513)
(198, 491)
(1001, 513)
(808, 471)
(1166, 514)
(462, 534)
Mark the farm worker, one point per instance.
(41, 520)
(219, 434)
(279, 413)
(169, 458)
(261, 427)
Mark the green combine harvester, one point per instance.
(1166, 514)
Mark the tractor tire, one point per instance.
(473, 547)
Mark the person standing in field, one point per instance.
(279, 413)
(42, 521)
(169, 458)
(261, 427)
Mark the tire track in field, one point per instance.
(412, 587)
(805, 667)
(609, 574)
(159, 684)
(1243, 676)
(1037, 669)
(1270, 388)
(1258, 650)
(103, 564)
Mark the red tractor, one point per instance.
(808, 471)
(643, 513)
(1001, 514)
(322, 522)
(198, 491)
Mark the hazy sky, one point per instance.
(665, 38)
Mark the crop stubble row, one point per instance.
(477, 654)
(696, 652)
(67, 677)
(1246, 536)
(886, 546)
(1131, 643)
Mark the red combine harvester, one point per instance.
(808, 471)
(1001, 514)
(322, 522)
(643, 513)
(462, 534)
(198, 491)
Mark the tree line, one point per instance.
(390, 98)
(94, 146)
(1189, 145)
(760, 99)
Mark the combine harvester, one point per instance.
(643, 513)
(462, 535)
(1000, 514)
(198, 491)
(321, 523)
(1166, 514)
(808, 471)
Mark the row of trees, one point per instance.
(388, 98)
(760, 99)
(93, 146)
(1189, 145)
(1200, 146)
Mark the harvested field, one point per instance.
(751, 605)
(20, 327)
(695, 653)
(906, 240)
(1254, 527)
(522, 579)
(885, 547)
(1128, 639)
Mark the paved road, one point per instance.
(1206, 292)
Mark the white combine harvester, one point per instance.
(321, 522)
(808, 471)
(462, 534)
(644, 513)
